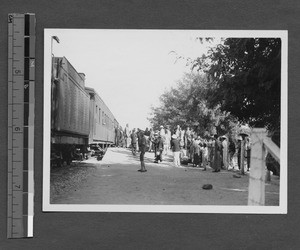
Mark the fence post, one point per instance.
(242, 158)
(256, 193)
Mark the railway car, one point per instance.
(102, 121)
(70, 112)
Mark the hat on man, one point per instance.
(174, 136)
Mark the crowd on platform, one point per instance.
(214, 151)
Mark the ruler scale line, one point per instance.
(21, 75)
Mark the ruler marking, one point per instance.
(13, 43)
(21, 76)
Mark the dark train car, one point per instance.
(102, 121)
(69, 111)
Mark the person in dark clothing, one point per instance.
(133, 137)
(117, 135)
(159, 147)
(197, 151)
(138, 134)
(121, 137)
(142, 146)
(217, 155)
(147, 132)
(248, 152)
(147, 136)
(154, 141)
(239, 150)
(176, 150)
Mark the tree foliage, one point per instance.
(245, 77)
(186, 105)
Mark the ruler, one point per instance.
(21, 81)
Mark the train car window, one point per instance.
(99, 115)
(103, 118)
(96, 113)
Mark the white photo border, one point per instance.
(283, 192)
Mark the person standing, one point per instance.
(182, 133)
(217, 155)
(188, 140)
(133, 141)
(167, 144)
(186, 135)
(192, 150)
(138, 135)
(117, 135)
(147, 132)
(248, 152)
(177, 132)
(176, 150)
(120, 137)
(154, 141)
(142, 146)
(162, 131)
(239, 150)
(231, 152)
(225, 151)
(126, 135)
(159, 144)
(151, 139)
(196, 157)
(211, 150)
(204, 156)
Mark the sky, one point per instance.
(129, 69)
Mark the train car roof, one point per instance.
(87, 89)
(62, 57)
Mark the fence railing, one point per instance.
(260, 145)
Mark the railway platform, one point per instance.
(115, 180)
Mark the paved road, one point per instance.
(115, 180)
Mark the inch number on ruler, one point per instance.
(21, 79)
(10, 18)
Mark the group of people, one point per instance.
(187, 147)
(216, 151)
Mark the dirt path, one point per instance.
(115, 180)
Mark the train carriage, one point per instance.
(69, 110)
(102, 121)
(79, 117)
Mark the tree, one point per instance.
(186, 105)
(245, 76)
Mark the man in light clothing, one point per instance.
(168, 141)
(127, 135)
(225, 151)
(176, 150)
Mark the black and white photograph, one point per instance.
(168, 121)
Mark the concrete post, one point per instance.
(256, 192)
(242, 159)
